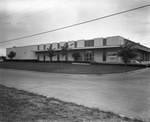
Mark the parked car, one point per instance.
(135, 62)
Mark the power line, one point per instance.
(84, 22)
(38, 12)
(146, 43)
(16, 13)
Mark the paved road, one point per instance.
(127, 93)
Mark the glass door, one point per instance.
(88, 56)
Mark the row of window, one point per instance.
(87, 43)
(90, 43)
(44, 57)
(88, 56)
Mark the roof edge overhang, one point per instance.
(79, 48)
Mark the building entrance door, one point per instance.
(89, 56)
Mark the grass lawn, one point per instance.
(68, 68)
(22, 106)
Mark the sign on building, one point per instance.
(112, 54)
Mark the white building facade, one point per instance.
(91, 50)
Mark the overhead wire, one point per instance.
(76, 24)
(18, 12)
(37, 12)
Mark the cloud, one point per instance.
(134, 25)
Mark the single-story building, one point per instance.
(96, 50)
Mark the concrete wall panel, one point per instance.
(62, 58)
(40, 57)
(71, 44)
(115, 40)
(80, 43)
(70, 58)
(98, 55)
(112, 55)
(24, 53)
(54, 45)
(8, 50)
(62, 43)
(41, 47)
(47, 45)
(98, 42)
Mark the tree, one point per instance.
(51, 52)
(127, 52)
(11, 55)
(64, 50)
(3, 58)
(76, 56)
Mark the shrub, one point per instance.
(76, 56)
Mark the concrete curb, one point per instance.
(109, 74)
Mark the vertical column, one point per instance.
(104, 55)
(66, 57)
(58, 46)
(44, 46)
(75, 44)
(38, 47)
(43, 57)
(44, 53)
(104, 42)
(57, 56)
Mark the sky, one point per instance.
(20, 18)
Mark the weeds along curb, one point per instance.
(119, 116)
